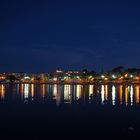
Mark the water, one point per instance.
(112, 95)
(96, 111)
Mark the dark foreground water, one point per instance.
(29, 111)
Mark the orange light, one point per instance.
(121, 93)
(126, 96)
(32, 90)
(126, 75)
(106, 79)
(2, 91)
(137, 94)
(121, 78)
(136, 78)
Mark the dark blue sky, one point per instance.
(69, 34)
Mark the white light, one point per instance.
(102, 76)
(102, 94)
(113, 95)
(26, 91)
(26, 77)
(59, 71)
(55, 90)
(55, 79)
(91, 89)
(79, 91)
(113, 76)
(131, 95)
(67, 92)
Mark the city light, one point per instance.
(72, 77)
(131, 76)
(55, 79)
(113, 76)
(102, 76)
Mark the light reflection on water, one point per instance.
(102, 94)
(120, 88)
(131, 95)
(137, 94)
(113, 95)
(79, 92)
(32, 91)
(126, 95)
(62, 94)
(67, 93)
(26, 91)
(2, 91)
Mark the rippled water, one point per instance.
(113, 95)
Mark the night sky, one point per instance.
(41, 36)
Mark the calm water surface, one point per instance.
(113, 95)
(78, 111)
